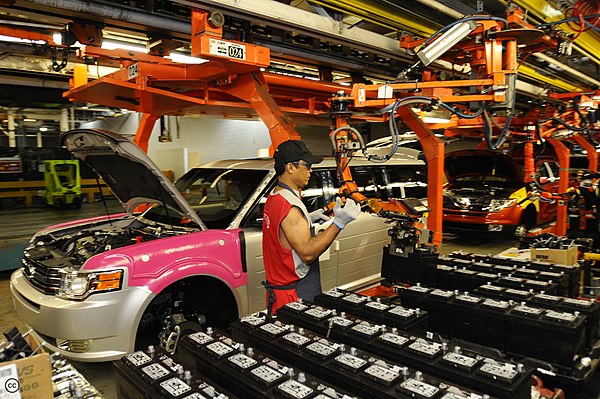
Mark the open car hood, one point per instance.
(480, 163)
(127, 170)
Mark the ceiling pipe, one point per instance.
(114, 11)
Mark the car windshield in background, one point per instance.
(216, 195)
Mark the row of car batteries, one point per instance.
(561, 340)
(364, 373)
(566, 277)
(154, 373)
(444, 360)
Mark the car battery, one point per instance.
(482, 267)
(443, 276)
(526, 273)
(256, 373)
(436, 305)
(589, 308)
(410, 296)
(573, 273)
(366, 374)
(545, 334)
(504, 270)
(392, 315)
(501, 260)
(463, 279)
(518, 295)
(419, 266)
(511, 282)
(547, 287)
(154, 373)
(490, 291)
(479, 320)
(418, 352)
(560, 278)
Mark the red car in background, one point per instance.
(486, 192)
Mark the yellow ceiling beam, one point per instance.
(529, 72)
(377, 13)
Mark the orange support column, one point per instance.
(142, 136)
(563, 153)
(252, 88)
(433, 149)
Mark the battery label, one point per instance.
(547, 298)
(513, 279)
(355, 299)
(523, 309)
(521, 293)
(502, 371)
(319, 313)
(254, 320)
(335, 293)
(381, 373)
(420, 388)
(242, 361)
(155, 371)
(418, 288)
(394, 339)
(486, 275)
(561, 316)
(201, 338)
(138, 358)
(537, 283)
(342, 321)
(465, 271)
(491, 288)
(219, 348)
(366, 328)
(377, 306)
(195, 395)
(175, 387)
(402, 312)
(504, 268)
(323, 348)
(350, 361)
(442, 293)
(273, 329)
(468, 298)
(578, 302)
(210, 391)
(295, 389)
(461, 361)
(425, 347)
(297, 306)
(452, 395)
(266, 374)
(445, 268)
(296, 339)
(491, 303)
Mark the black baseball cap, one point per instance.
(294, 150)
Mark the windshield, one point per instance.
(216, 195)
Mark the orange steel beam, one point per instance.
(563, 153)
(433, 148)
(26, 34)
(252, 88)
(142, 136)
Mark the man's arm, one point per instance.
(296, 232)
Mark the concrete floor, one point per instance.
(18, 224)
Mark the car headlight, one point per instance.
(496, 205)
(77, 285)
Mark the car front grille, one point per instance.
(44, 275)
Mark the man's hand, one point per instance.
(318, 216)
(345, 215)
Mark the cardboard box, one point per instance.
(34, 376)
(558, 256)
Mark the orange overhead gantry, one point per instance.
(231, 82)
